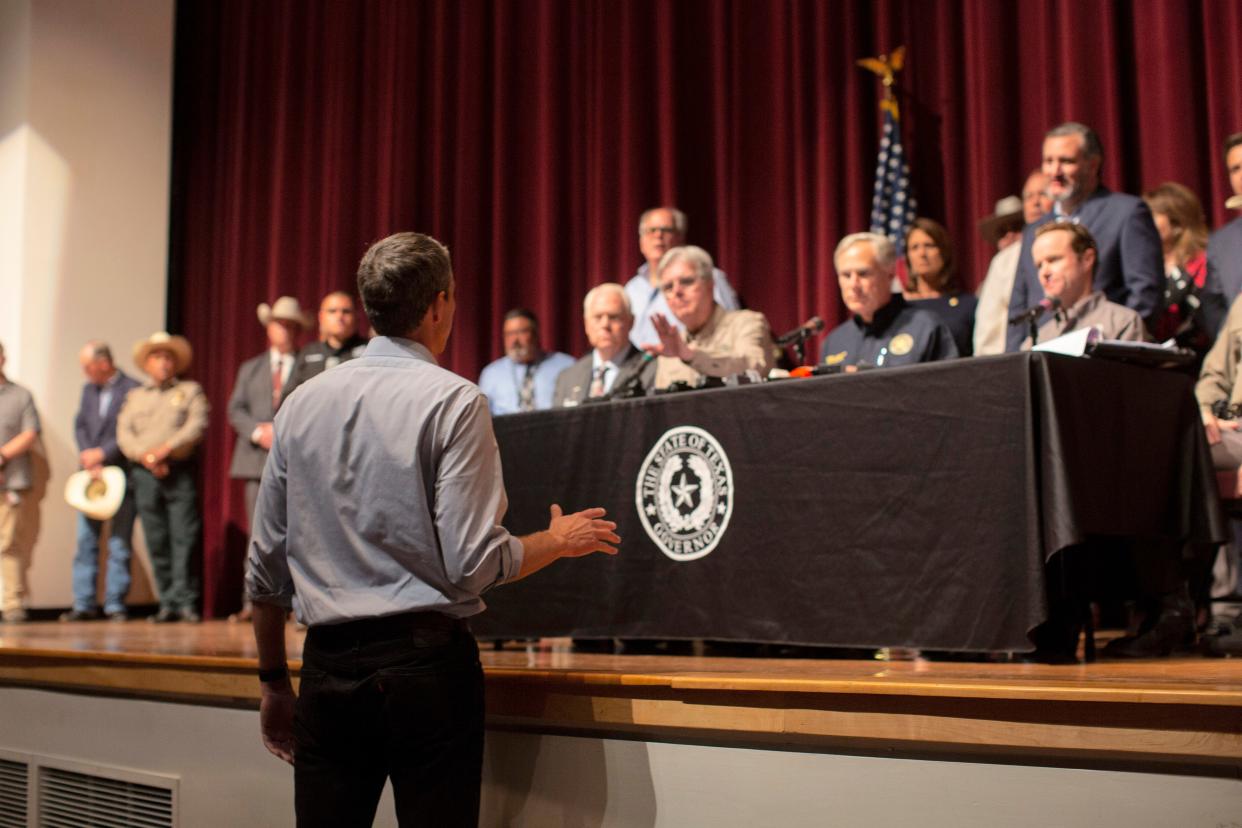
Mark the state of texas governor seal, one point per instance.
(684, 493)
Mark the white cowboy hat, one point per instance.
(287, 308)
(178, 346)
(98, 499)
(1006, 217)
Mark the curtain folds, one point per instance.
(528, 136)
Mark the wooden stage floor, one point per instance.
(1184, 711)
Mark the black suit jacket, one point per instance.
(250, 404)
(574, 383)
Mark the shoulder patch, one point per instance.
(901, 344)
(836, 359)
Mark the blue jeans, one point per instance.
(400, 698)
(86, 560)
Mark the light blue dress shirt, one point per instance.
(382, 494)
(646, 300)
(501, 381)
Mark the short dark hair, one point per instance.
(398, 279)
(1231, 142)
(100, 350)
(522, 313)
(1081, 239)
(1091, 146)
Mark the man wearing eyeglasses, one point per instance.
(660, 229)
(702, 338)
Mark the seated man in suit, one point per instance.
(95, 429)
(716, 342)
(614, 364)
(257, 394)
(884, 330)
(1065, 257)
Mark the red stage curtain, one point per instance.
(529, 135)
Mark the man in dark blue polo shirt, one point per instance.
(883, 330)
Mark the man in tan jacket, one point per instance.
(159, 429)
(717, 342)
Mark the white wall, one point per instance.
(85, 149)
(227, 778)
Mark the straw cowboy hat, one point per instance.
(287, 309)
(98, 499)
(1006, 217)
(178, 346)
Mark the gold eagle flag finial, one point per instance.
(886, 68)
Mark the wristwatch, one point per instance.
(275, 674)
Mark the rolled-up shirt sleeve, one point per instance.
(471, 502)
(268, 580)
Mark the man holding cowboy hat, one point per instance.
(256, 396)
(98, 492)
(159, 429)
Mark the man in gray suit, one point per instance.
(256, 396)
(1224, 253)
(1130, 267)
(614, 367)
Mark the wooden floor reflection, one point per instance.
(226, 645)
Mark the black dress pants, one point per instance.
(400, 698)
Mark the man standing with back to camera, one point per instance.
(378, 521)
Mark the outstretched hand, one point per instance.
(582, 533)
(671, 344)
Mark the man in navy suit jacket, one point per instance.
(1130, 267)
(95, 430)
(1224, 253)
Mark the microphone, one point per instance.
(1048, 303)
(806, 330)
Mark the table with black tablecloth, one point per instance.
(908, 507)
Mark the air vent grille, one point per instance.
(14, 788)
(69, 799)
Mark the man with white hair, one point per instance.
(716, 342)
(614, 364)
(660, 229)
(883, 330)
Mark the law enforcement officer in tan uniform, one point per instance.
(159, 429)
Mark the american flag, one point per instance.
(893, 207)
